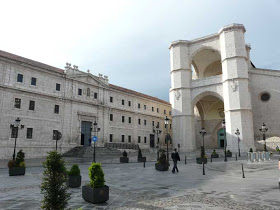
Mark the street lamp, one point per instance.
(15, 133)
(167, 136)
(95, 132)
(203, 132)
(264, 129)
(237, 133)
(225, 141)
(157, 131)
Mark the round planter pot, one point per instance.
(16, 171)
(74, 181)
(162, 167)
(95, 195)
(201, 160)
(124, 159)
(141, 159)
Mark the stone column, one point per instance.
(180, 97)
(237, 99)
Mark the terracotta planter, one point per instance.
(74, 181)
(95, 195)
(16, 171)
(201, 160)
(141, 159)
(124, 159)
(162, 167)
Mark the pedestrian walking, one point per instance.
(175, 157)
(89, 142)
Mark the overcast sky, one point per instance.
(128, 40)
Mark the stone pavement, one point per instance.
(134, 187)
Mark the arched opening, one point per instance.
(206, 63)
(209, 113)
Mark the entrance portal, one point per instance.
(85, 133)
(221, 138)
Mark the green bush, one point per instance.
(74, 171)
(53, 186)
(22, 164)
(214, 152)
(19, 162)
(162, 159)
(96, 175)
(20, 157)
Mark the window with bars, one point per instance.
(20, 78)
(80, 91)
(33, 81)
(32, 105)
(29, 133)
(57, 87)
(17, 103)
(56, 109)
(95, 95)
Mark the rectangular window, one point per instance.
(164, 112)
(57, 87)
(56, 109)
(129, 119)
(153, 123)
(123, 119)
(157, 124)
(139, 139)
(170, 126)
(129, 139)
(80, 91)
(14, 133)
(152, 109)
(32, 105)
(33, 81)
(145, 107)
(111, 99)
(139, 121)
(157, 110)
(17, 103)
(29, 133)
(95, 95)
(145, 122)
(170, 113)
(139, 106)
(145, 139)
(122, 102)
(111, 117)
(129, 103)
(111, 137)
(20, 78)
(122, 138)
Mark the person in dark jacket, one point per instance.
(175, 157)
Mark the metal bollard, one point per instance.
(243, 175)
(185, 160)
(144, 164)
(203, 171)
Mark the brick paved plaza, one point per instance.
(134, 187)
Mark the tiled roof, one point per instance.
(29, 62)
(137, 94)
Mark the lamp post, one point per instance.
(203, 132)
(157, 131)
(237, 133)
(95, 132)
(14, 128)
(225, 141)
(166, 120)
(264, 129)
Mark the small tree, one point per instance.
(20, 157)
(53, 186)
(74, 171)
(96, 175)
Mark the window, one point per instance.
(157, 124)
(14, 132)
(88, 92)
(80, 91)
(129, 103)
(123, 119)
(139, 121)
(111, 99)
(152, 109)
(145, 107)
(17, 103)
(111, 117)
(32, 105)
(170, 113)
(153, 123)
(95, 95)
(57, 86)
(111, 137)
(139, 106)
(145, 139)
(139, 139)
(33, 81)
(164, 112)
(122, 138)
(129, 119)
(170, 126)
(20, 78)
(129, 139)
(56, 109)
(145, 122)
(157, 110)
(122, 102)
(29, 133)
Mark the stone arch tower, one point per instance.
(232, 85)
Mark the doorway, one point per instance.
(221, 138)
(152, 140)
(85, 133)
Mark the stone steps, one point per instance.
(85, 152)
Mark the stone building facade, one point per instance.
(68, 100)
(213, 78)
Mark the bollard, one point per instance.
(185, 160)
(243, 175)
(144, 164)
(236, 157)
(203, 171)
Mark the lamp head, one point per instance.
(17, 122)
(223, 123)
(166, 120)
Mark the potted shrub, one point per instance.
(96, 191)
(214, 154)
(162, 164)
(17, 167)
(229, 153)
(124, 158)
(53, 186)
(74, 178)
(202, 158)
(140, 158)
